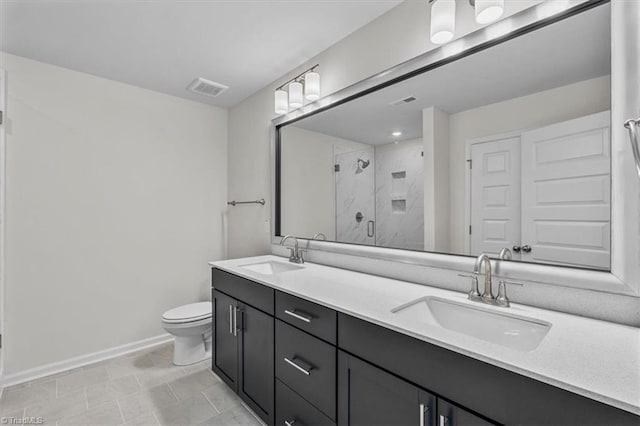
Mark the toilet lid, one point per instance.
(190, 312)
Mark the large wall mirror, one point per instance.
(508, 147)
(509, 137)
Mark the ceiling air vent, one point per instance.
(403, 101)
(206, 87)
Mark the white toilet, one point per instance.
(191, 326)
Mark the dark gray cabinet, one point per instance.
(308, 366)
(369, 396)
(314, 366)
(225, 346)
(243, 343)
(293, 409)
(255, 372)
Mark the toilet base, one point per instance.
(190, 350)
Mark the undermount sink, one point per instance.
(271, 267)
(503, 328)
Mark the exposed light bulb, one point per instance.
(443, 21)
(282, 104)
(295, 95)
(312, 86)
(488, 10)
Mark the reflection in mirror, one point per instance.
(505, 148)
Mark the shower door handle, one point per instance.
(371, 228)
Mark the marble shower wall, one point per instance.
(355, 193)
(399, 195)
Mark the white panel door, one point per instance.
(355, 197)
(495, 196)
(566, 193)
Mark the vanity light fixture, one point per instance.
(443, 16)
(488, 10)
(282, 103)
(295, 95)
(305, 85)
(443, 20)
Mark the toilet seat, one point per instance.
(188, 313)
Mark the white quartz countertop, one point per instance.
(596, 359)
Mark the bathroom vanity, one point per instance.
(316, 345)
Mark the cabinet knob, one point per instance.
(516, 249)
(526, 249)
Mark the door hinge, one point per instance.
(336, 168)
(470, 164)
(469, 229)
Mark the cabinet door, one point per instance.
(452, 415)
(369, 396)
(225, 341)
(256, 384)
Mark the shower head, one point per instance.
(365, 164)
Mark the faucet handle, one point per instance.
(473, 294)
(501, 298)
(292, 252)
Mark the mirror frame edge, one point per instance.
(620, 279)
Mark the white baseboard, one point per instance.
(80, 361)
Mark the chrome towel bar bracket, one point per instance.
(632, 125)
(234, 202)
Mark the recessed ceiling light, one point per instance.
(396, 134)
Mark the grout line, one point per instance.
(120, 409)
(156, 417)
(86, 397)
(209, 401)
(56, 389)
(172, 392)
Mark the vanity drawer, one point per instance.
(291, 407)
(308, 316)
(252, 293)
(308, 366)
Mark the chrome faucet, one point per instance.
(483, 259)
(296, 253)
(487, 295)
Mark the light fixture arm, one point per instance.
(298, 77)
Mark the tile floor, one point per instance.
(142, 388)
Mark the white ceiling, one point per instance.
(569, 51)
(163, 45)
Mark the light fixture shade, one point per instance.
(282, 104)
(295, 95)
(443, 21)
(488, 10)
(312, 86)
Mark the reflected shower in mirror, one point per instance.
(508, 147)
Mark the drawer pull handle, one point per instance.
(306, 371)
(444, 420)
(291, 422)
(230, 319)
(299, 315)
